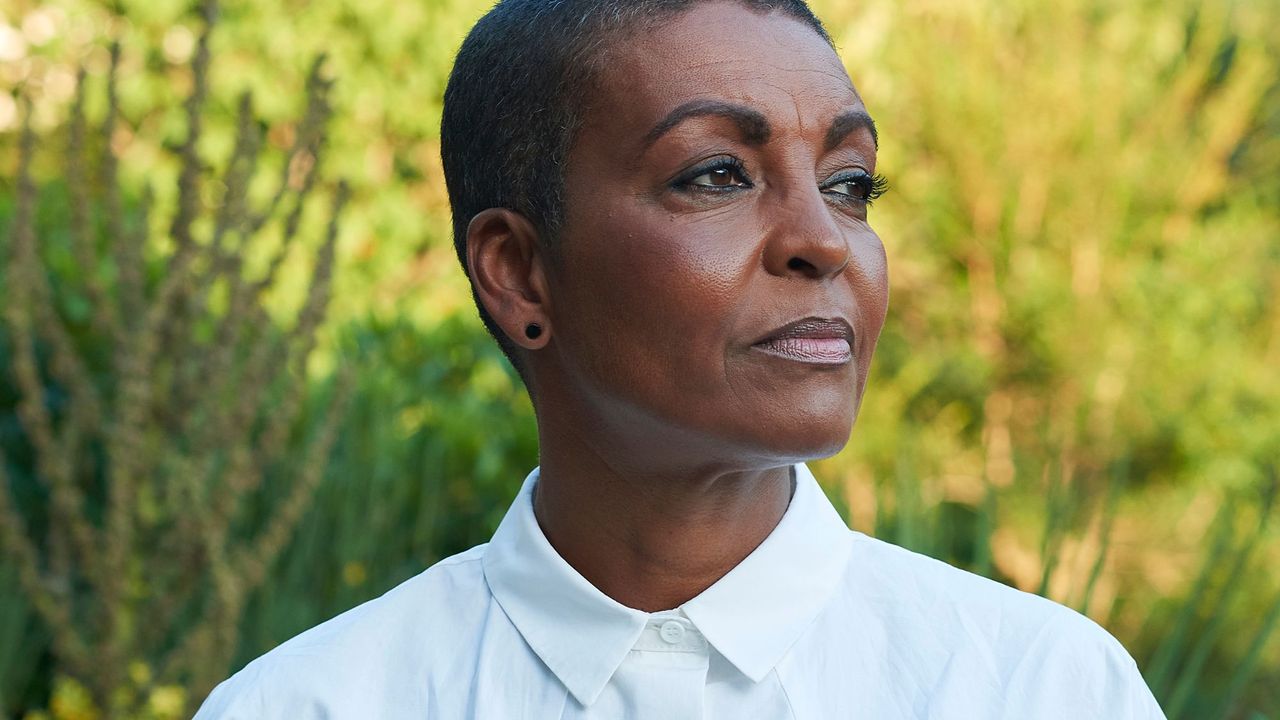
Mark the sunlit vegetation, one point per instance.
(1077, 393)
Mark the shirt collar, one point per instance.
(752, 615)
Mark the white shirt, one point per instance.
(818, 622)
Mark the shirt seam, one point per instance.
(1050, 627)
(785, 695)
(686, 651)
(455, 560)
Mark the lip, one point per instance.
(816, 340)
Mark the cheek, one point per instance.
(658, 295)
(883, 282)
(870, 281)
(662, 270)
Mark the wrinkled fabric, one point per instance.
(818, 622)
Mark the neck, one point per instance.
(651, 536)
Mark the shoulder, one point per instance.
(973, 635)
(379, 649)
(935, 590)
(1075, 668)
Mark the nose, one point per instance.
(804, 239)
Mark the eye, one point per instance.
(856, 186)
(720, 177)
(718, 174)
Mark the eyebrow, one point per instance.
(846, 123)
(754, 128)
(753, 125)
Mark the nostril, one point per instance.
(796, 263)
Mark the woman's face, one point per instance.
(717, 194)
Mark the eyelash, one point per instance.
(872, 186)
(685, 181)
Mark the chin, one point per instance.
(809, 435)
(825, 445)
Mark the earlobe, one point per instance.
(505, 264)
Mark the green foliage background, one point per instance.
(1078, 391)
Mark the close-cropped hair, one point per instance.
(517, 96)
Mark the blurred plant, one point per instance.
(1075, 392)
(146, 701)
(437, 439)
(1079, 367)
(150, 424)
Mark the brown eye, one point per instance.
(856, 187)
(721, 177)
(724, 176)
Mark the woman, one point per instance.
(662, 207)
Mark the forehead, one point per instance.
(721, 51)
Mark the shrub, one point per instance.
(149, 416)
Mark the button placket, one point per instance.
(672, 632)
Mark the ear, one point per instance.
(507, 269)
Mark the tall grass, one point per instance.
(147, 425)
(1080, 357)
(1075, 393)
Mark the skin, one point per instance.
(665, 435)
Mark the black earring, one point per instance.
(532, 331)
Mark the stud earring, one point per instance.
(532, 331)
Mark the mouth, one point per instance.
(819, 341)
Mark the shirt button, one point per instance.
(672, 632)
